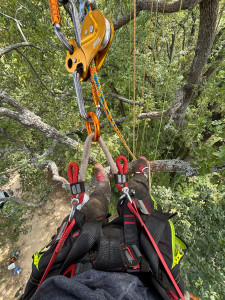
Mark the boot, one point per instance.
(99, 199)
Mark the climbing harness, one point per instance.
(86, 54)
(126, 244)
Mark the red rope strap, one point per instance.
(121, 170)
(66, 232)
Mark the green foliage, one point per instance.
(11, 222)
(200, 207)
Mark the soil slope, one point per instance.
(41, 226)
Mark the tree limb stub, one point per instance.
(28, 119)
(16, 46)
(156, 6)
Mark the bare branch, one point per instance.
(157, 6)
(34, 160)
(51, 165)
(208, 17)
(16, 46)
(174, 166)
(5, 150)
(29, 119)
(18, 24)
(114, 95)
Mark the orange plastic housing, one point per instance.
(92, 35)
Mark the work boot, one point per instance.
(139, 180)
(141, 167)
(99, 199)
(139, 183)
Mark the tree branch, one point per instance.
(35, 72)
(208, 17)
(114, 95)
(16, 46)
(18, 24)
(157, 6)
(174, 166)
(29, 119)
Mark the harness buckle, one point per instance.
(132, 256)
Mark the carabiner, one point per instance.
(80, 99)
(56, 22)
(96, 126)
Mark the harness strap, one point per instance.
(89, 235)
(134, 210)
(130, 227)
(66, 232)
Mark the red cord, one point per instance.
(73, 175)
(134, 210)
(122, 170)
(66, 232)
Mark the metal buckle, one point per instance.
(75, 202)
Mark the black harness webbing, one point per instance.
(89, 235)
(130, 226)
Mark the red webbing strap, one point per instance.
(66, 232)
(72, 173)
(121, 170)
(134, 210)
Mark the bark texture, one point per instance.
(208, 17)
(28, 119)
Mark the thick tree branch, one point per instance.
(29, 119)
(208, 17)
(16, 46)
(157, 6)
(174, 166)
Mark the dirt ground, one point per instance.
(41, 226)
